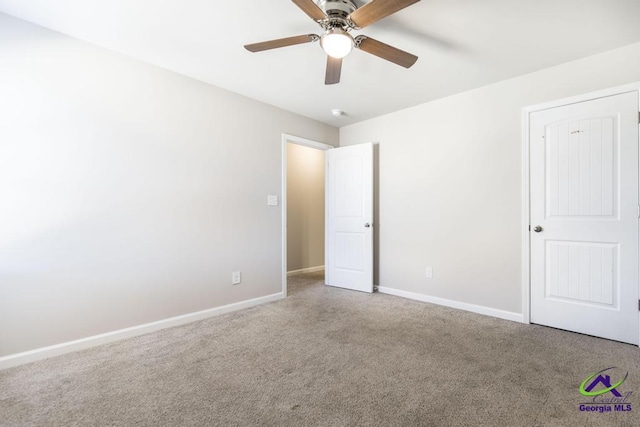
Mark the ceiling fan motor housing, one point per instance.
(340, 9)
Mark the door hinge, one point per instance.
(529, 227)
(638, 211)
(639, 305)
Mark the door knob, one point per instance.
(367, 225)
(537, 229)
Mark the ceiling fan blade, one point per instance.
(378, 9)
(384, 51)
(311, 9)
(334, 66)
(288, 41)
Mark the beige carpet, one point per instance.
(326, 357)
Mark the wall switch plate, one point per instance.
(429, 273)
(272, 200)
(235, 278)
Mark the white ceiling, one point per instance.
(461, 44)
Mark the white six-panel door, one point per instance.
(349, 224)
(584, 217)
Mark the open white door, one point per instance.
(349, 221)
(584, 217)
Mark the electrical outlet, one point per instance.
(429, 273)
(236, 278)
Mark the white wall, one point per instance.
(450, 181)
(305, 207)
(128, 193)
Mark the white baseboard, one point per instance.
(96, 340)
(305, 270)
(479, 309)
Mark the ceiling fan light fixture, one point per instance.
(337, 18)
(337, 43)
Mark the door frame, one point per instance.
(526, 187)
(286, 138)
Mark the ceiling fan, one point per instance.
(337, 18)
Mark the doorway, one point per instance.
(303, 204)
(582, 219)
